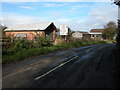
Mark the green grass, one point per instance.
(12, 55)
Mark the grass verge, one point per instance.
(23, 53)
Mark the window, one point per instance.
(97, 35)
(93, 35)
(21, 35)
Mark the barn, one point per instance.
(80, 35)
(31, 31)
(97, 33)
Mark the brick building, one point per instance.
(31, 31)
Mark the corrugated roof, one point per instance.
(97, 30)
(36, 26)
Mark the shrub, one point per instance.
(41, 41)
(20, 43)
(6, 42)
(23, 48)
(15, 46)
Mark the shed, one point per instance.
(31, 31)
(80, 34)
(97, 33)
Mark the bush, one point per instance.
(23, 48)
(41, 41)
(20, 43)
(6, 42)
(15, 46)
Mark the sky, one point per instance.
(76, 14)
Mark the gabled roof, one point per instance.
(97, 30)
(26, 27)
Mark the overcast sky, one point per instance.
(79, 16)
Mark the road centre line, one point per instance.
(55, 68)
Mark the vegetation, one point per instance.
(41, 41)
(20, 48)
(118, 34)
(110, 30)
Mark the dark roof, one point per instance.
(96, 30)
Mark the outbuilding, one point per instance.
(80, 35)
(97, 34)
(31, 31)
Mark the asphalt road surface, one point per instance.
(84, 67)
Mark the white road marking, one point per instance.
(55, 68)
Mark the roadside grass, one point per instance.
(116, 53)
(111, 41)
(22, 53)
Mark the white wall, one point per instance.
(77, 35)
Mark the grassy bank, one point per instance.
(12, 55)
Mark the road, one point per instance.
(84, 67)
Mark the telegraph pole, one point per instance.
(117, 2)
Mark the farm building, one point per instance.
(77, 35)
(31, 31)
(80, 35)
(97, 33)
